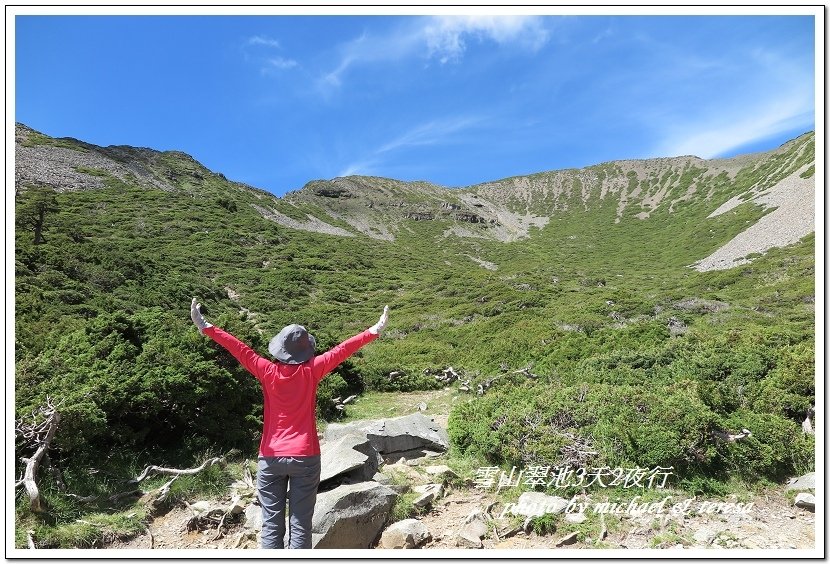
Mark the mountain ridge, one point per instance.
(504, 210)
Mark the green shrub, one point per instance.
(398, 380)
(789, 389)
(622, 425)
(769, 452)
(142, 381)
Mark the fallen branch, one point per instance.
(161, 494)
(30, 539)
(47, 429)
(174, 471)
(219, 531)
(526, 372)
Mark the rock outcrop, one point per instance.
(351, 516)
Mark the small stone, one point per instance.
(236, 507)
(442, 471)
(429, 493)
(575, 517)
(467, 541)
(382, 478)
(567, 539)
(806, 501)
(409, 533)
(253, 517)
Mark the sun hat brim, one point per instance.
(292, 345)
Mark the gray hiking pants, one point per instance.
(274, 476)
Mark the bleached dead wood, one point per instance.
(38, 433)
(175, 471)
(731, 437)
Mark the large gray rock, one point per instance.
(351, 516)
(351, 456)
(398, 434)
(409, 533)
(805, 482)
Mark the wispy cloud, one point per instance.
(435, 132)
(431, 133)
(446, 36)
(441, 37)
(268, 64)
(758, 110)
(263, 40)
(721, 134)
(281, 63)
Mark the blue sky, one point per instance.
(277, 101)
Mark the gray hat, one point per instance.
(292, 345)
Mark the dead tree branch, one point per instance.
(174, 471)
(39, 433)
(731, 437)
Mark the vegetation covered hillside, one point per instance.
(565, 300)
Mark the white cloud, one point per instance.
(443, 37)
(435, 132)
(262, 40)
(280, 63)
(717, 137)
(431, 133)
(364, 168)
(446, 35)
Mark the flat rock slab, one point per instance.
(397, 434)
(568, 539)
(441, 471)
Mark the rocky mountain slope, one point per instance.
(505, 210)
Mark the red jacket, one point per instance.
(290, 392)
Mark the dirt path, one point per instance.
(772, 522)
